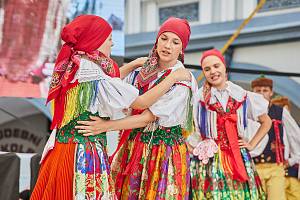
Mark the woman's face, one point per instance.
(168, 47)
(105, 48)
(214, 71)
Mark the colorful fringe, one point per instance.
(72, 151)
(152, 167)
(79, 99)
(189, 122)
(92, 173)
(210, 181)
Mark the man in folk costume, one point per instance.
(279, 148)
(292, 183)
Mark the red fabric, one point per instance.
(206, 85)
(23, 30)
(239, 171)
(278, 145)
(178, 174)
(212, 52)
(227, 123)
(178, 26)
(151, 164)
(59, 106)
(85, 33)
(126, 133)
(60, 87)
(135, 159)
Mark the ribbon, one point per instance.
(239, 171)
(278, 145)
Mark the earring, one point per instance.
(180, 56)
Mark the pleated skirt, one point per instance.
(75, 171)
(147, 171)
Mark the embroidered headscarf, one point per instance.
(82, 37)
(178, 26)
(206, 85)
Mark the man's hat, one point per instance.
(262, 81)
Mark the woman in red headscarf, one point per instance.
(85, 82)
(152, 161)
(222, 167)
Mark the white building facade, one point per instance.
(271, 41)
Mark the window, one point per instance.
(279, 4)
(185, 11)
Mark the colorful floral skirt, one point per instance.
(75, 171)
(152, 166)
(76, 168)
(209, 181)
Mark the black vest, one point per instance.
(292, 171)
(269, 153)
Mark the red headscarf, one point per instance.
(212, 52)
(206, 85)
(178, 26)
(85, 33)
(83, 36)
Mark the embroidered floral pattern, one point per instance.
(168, 136)
(92, 180)
(68, 133)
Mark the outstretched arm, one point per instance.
(98, 125)
(129, 67)
(151, 96)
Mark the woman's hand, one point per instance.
(139, 62)
(181, 74)
(93, 127)
(244, 144)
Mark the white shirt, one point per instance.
(113, 94)
(171, 109)
(256, 105)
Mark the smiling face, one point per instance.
(214, 71)
(105, 48)
(168, 49)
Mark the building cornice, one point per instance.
(261, 30)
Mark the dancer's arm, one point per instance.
(129, 67)
(98, 125)
(151, 96)
(265, 126)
